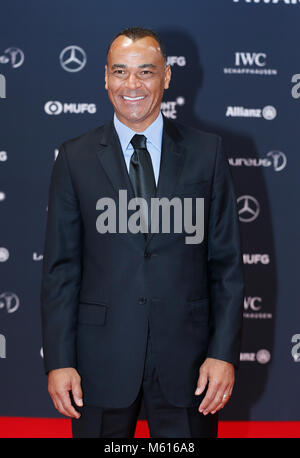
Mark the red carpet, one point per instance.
(61, 428)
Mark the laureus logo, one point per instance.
(9, 301)
(13, 56)
(275, 159)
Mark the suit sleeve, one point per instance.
(61, 272)
(225, 267)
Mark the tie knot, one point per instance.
(138, 141)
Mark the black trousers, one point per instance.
(164, 419)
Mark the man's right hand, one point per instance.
(60, 382)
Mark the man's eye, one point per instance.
(146, 72)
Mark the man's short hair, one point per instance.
(136, 33)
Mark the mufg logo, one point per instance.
(2, 87)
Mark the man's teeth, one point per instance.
(133, 98)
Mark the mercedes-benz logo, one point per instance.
(72, 58)
(248, 208)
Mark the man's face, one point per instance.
(135, 78)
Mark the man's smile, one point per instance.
(133, 99)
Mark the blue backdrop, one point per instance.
(236, 72)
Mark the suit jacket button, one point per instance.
(142, 300)
(147, 254)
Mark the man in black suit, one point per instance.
(133, 314)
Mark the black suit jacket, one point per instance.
(99, 291)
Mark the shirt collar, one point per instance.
(153, 132)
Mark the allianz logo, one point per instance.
(275, 159)
(262, 356)
(268, 112)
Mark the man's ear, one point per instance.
(106, 78)
(168, 75)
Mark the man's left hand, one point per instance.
(220, 378)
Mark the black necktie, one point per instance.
(141, 171)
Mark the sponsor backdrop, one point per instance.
(236, 72)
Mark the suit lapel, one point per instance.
(113, 162)
(171, 163)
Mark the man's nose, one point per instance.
(132, 82)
